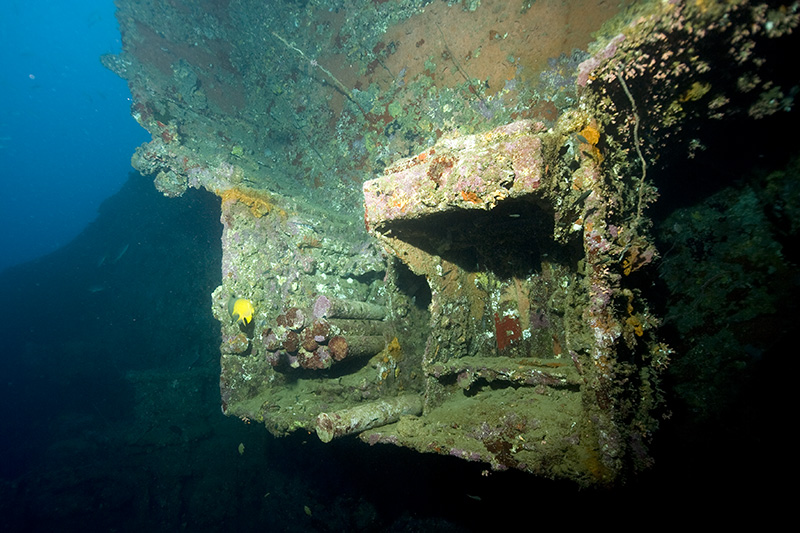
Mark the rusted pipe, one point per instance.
(366, 416)
(336, 308)
(346, 327)
(356, 346)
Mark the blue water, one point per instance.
(66, 134)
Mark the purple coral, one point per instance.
(585, 69)
(321, 307)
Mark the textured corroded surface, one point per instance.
(519, 345)
(311, 98)
(499, 280)
(473, 172)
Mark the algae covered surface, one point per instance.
(438, 211)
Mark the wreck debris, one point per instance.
(366, 416)
(552, 373)
(503, 245)
(453, 178)
(360, 346)
(325, 307)
(306, 338)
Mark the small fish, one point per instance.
(241, 310)
(120, 253)
(581, 198)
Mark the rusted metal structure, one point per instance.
(485, 302)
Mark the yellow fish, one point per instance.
(241, 309)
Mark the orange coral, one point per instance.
(471, 197)
(258, 202)
(636, 259)
(627, 267)
(309, 242)
(633, 321)
(636, 325)
(394, 350)
(591, 135)
(400, 202)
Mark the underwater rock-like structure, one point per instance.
(488, 302)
